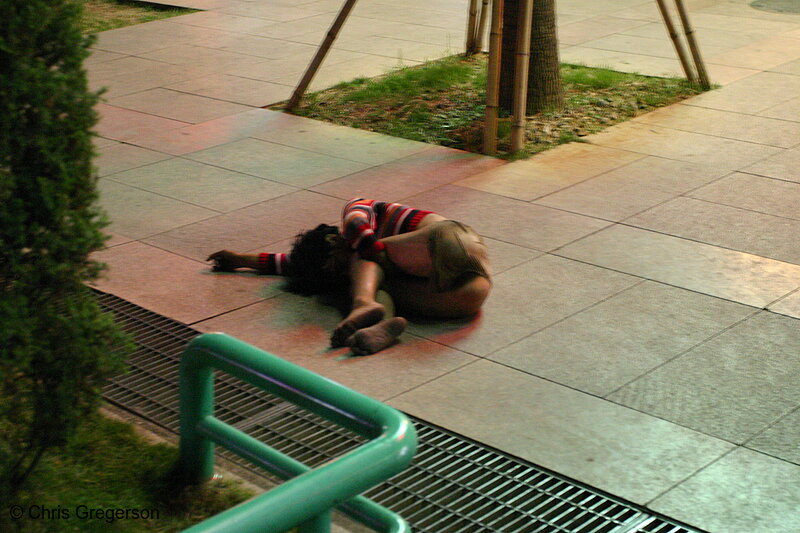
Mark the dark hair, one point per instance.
(310, 253)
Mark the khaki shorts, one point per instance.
(453, 265)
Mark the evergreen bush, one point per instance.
(55, 343)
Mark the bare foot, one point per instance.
(370, 340)
(359, 317)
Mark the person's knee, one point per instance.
(472, 294)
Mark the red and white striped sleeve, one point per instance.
(273, 264)
(359, 222)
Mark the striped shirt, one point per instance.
(365, 221)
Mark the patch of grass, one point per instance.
(443, 102)
(409, 82)
(102, 15)
(108, 466)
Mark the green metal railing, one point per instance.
(307, 499)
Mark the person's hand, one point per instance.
(224, 261)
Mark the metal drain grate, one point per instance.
(454, 485)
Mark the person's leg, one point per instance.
(363, 329)
(365, 279)
(418, 297)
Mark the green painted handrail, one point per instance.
(307, 499)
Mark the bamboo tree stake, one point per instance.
(687, 68)
(521, 76)
(481, 31)
(493, 79)
(472, 24)
(689, 31)
(333, 32)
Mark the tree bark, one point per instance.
(545, 91)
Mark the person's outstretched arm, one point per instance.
(264, 263)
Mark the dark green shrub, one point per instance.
(54, 340)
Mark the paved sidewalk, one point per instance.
(642, 336)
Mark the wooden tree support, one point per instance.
(688, 30)
(472, 28)
(333, 32)
(493, 79)
(481, 29)
(521, 76)
(676, 41)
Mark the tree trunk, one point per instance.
(544, 75)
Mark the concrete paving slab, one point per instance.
(559, 288)
(783, 166)
(202, 57)
(292, 29)
(622, 338)
(272, 11)
(255, 45)
(234, 89)
(550, 171)
(508, 220)
(736, 276)
(119, 157)
(136, 213)
(101, 142)
(196, 137)
(367, 67)
(729, 227)
(597, 27)
(122, 65)
(728, 22)
(452, 40)
(298, 329)
(143, 80)
(781, 440)
(172, 285)
(622, 61)
(141, 39)
(594, 441)
(789, 110)
(757, 193)
(621, 200)
(726, 124)
(188, 108)
(648, 46)
(218, 20)
(396, 48)
(340, 141)
(115, 239)
(706, 37)
(788, 305)
(251, 227)
(100, 56)
(682, 145)
(202, 185)
(409, 175)
(288, 70)
(121, 124)
(791, 67)
(632, 188)
(505, 256)
(727, 497)
(772, 88)
(276, 162)
(752, 386)
(762, 54)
